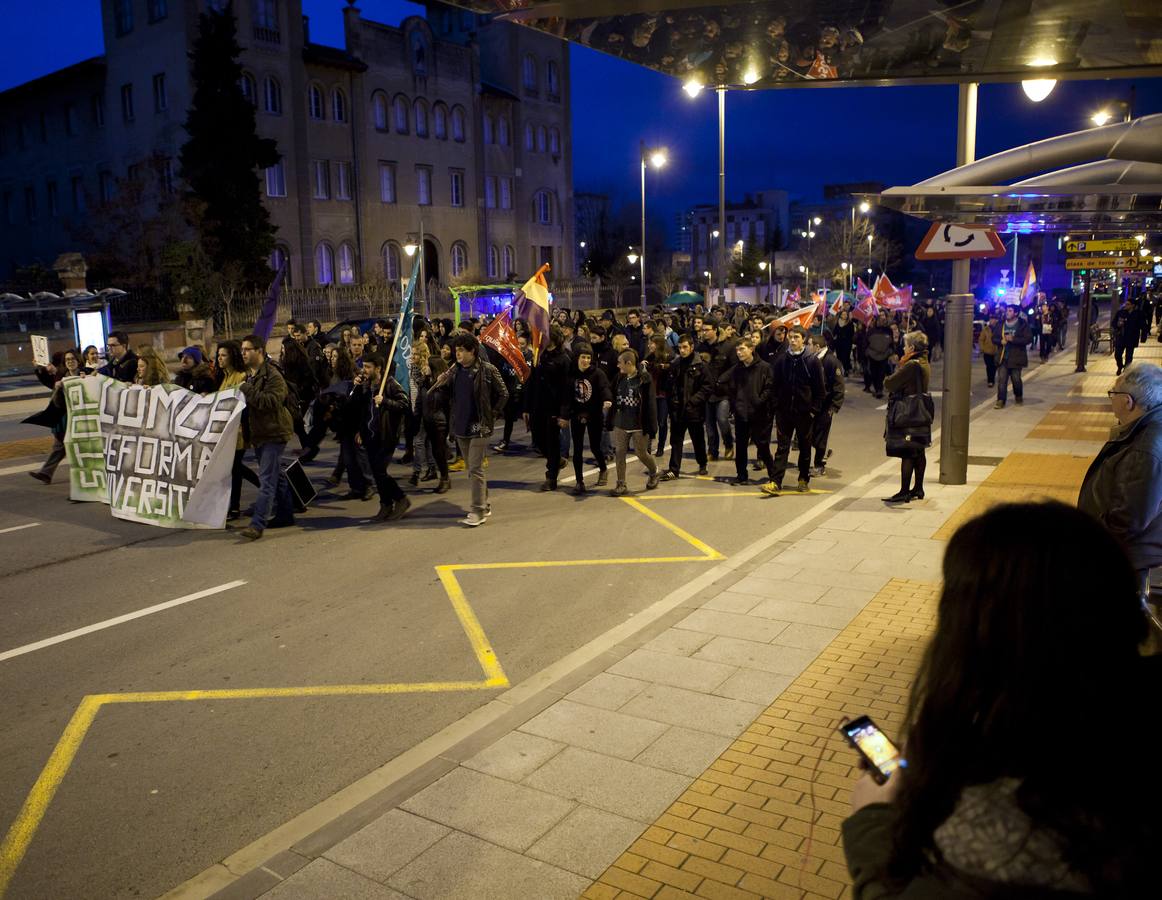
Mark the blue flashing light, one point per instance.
(1000, 292)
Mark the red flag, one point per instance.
(803, 317)
(865, 309)
(498, 335)
(883, 288)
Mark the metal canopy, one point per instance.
(801, 43)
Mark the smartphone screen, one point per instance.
(874, 745)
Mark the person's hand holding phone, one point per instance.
(867, 790)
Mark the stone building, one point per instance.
(452, 124)
(761, 219)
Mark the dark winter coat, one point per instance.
(750, 392)
(833, 383)
(548, 392)
(798, 386)
(689, 389)
(1014, 354)
(125, 369)
(1126, 327)
(269, 420)
(488, 391)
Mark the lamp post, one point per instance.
(706, 275)
(657, 159)
(416, 242)
(846, 272)
(770, 270)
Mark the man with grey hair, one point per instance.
(1123, 487)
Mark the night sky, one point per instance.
(792, 139)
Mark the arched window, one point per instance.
(346, 264)
(324, 264)
(459, 259)
(272, 95)
(249, 88)
(555, 141)
(440, 121)
(552, 79)
(390, 254)
(315, 102)
(338, 105)
(542, 143)
(420, 108)
(379, 111)
(280, 257)
(493, 261)
(458, 123)
(530, 138)
(400, 105)
(419, 53)
(487, 129)
(543, 207)
(529, 72)
(504, 131)
(509, 261)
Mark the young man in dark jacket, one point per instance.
(635, 419)
(748, 385)
(1126, 328)
(122, 362)
(377, 433)
(547, 400)
(689, 391)
(1012, 336)
(719, 357)
(270, 427)
(591, 398)
(833, 387)
(798, 394)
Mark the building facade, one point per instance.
(761, 219)
(452, 126)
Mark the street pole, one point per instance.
(423, 274)
(643, 254)
(1083, 327)
(721, 194)
(958, 325)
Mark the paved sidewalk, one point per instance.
(699, 757)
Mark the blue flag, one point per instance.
(403, 331)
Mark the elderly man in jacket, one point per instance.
(270, 426)
(1123, 487)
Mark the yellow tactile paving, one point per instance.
(27, 447)
(1076, 422)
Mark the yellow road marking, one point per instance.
(35, 807)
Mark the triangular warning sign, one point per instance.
(947, 240)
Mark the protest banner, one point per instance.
(158, 455)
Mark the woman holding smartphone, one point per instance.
(1029, 750)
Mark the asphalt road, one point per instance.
(160, 790)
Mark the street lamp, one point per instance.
(764, 266)
(657, 159)
(633, 258)
(416, 242)
(1107, 114)
(1037, 89)
(846, 281)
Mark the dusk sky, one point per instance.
(792, 139)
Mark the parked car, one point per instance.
(336, 333)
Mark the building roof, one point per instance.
(488, 87)
(84, 68)
(336, 58)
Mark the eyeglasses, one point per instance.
(1115, 393)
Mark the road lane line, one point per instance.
(117, 620)
(16, 470)
(18, 527)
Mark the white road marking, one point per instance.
(117, 620)
(884, 406)
(15, 470)
(18, 527)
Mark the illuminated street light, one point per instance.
(1140, 238)
(633, 258)
(763, 264)
(410, 248)
(750, 76)
(658, 158)
(817, 221)
(864, 207)
(582, 245)
(693, 87)
(1100, 118)
(714, 234)
(1037, 89)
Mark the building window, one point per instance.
(387, 182)
(123, 16)
(272, 95)
(342, 181)
(424, 185)
(458, 124)
(315, 102)
(390, 254)
(280, 257)
(322, 179)
(379, 111)
(457, 187)
(459, 259)
(70, 119)
(542, 143)
(324, 264)
(53, 210)
(127, 102)
(506, 193)
(555, 141)
(276, 180)
(266, 21)
(543, 207)
(419, 53)
(338, 105)
(108, 186)
(509, 261)
(167, 176)
(346, 264)
(400, 105)
(160, 97)
(493, 261)
(529, 70)
(490, 191)
(77, 183)
(504, 131)
(157, 9)
(30, 211)
(552, 80)
(440, 120)
(249, 88)
(98, 104)
(421, 111)
(530, 137)
(486, 130)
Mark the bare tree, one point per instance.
(669, 280)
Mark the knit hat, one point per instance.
(193, 352)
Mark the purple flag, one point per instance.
(264, 325)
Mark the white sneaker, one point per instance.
(472, 519)
(488, 510)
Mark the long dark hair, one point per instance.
(233, 354)
(1034, 657)
(344, 364)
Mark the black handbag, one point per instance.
(910, 411)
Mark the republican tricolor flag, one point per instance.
(1029, 288)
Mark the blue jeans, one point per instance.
(718, 420)
(270, 482)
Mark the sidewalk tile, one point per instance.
(847, 580)
(803, 613)
(753, 685)
(680, 641)
(625, 788)
(684, 751)
(591, 728)
(771, 658)
(321, 879)
(462, 867)
(514, 756)
(849, 598)
(386, 845)
(766, 587)
(732, 625)
(795, 559)
(733, 601)
(702, 712)
(587, 841)
(609, 691)
(679, 671)
(511, 815)
(807, 637)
